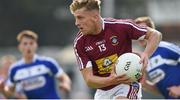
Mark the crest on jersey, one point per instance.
(114, 40)
(107, 62)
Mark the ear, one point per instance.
(96, 17)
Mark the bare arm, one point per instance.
(65, 82)
(153, 38)
(100, 82)
(149, 86)
(174, 91)
(9, 92)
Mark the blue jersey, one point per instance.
(164, 67)
(37, 79)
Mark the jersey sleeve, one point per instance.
(82, 59)
(170, 50)
(166, 53)
(10, 81)
(134, 31)
(55, 68)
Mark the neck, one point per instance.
(99, 27)
(28, 59)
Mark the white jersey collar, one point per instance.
(34, 58)
(103, 25)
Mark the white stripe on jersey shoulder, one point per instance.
(103, 26)
(14, 65)
(75, 44)
(19, 62)
(170, 46)
(45, 58)
(52, 60)
(36, 57)
(78, 36)
(127, 23)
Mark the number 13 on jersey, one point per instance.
(102, 47)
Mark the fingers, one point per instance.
(143, 78)
(113, 69)
(144, 61)
(124, 79)
(119, 79)
(66, 87)
(173, 94)
(141, 61)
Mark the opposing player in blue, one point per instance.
(164, 67)
(36, 75)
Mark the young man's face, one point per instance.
(27, 46)
(85, 20)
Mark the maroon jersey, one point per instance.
(102, 50)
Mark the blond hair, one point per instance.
(147, 20)
(88, 4)
(27, 33)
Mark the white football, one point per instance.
(128, 63)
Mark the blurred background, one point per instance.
(54, 23)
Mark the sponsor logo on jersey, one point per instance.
(114, 40)
(33, 83)
(101, 42)
(156, 75)
(105, 64)
(88, 48)
(31, 72)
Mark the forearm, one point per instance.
(148, 86)
(152, 42)
(65, 79)
(65, 82)
(94, 81)
(98, 82)
(178, 88)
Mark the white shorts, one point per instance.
(133, 91)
